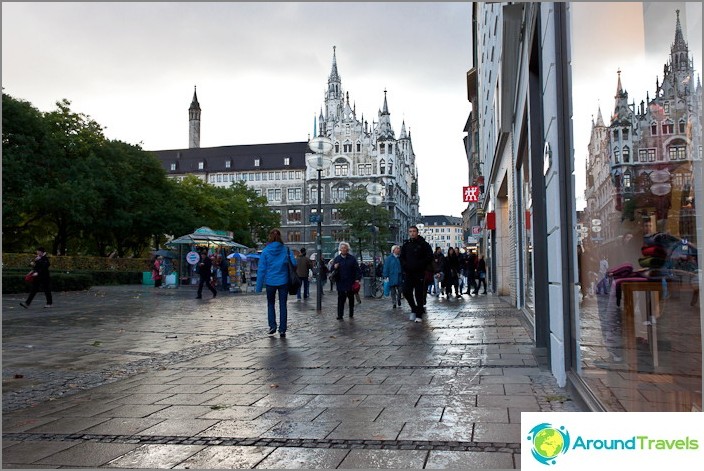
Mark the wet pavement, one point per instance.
(138, 377)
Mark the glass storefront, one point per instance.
(637, 125)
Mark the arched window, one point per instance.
(617, 156)
(682, 126)
(382, 166)
(668, 127)
(337, 147)
(626, 154)
(653, 128)
(391, 167)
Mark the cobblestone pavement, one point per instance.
(138, 377)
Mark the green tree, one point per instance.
(364, 219)
(26, 144)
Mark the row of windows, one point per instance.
(342, 169)
(256, 176)
(347, 147)
(295, 216)
(228, 164)
(676, 152)
(668, 127)
(297, 236)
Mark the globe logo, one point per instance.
(548, 442)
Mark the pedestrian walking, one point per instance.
(471, 272)
(452, 270)
(348, 272)
(438, 266)
(393, 275)
(273, 273)
(481, 274)
(304, 264)
(205, 270)
(416, 257)
(40, 278)
(158, 271)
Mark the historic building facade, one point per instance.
(442, 231)
(362, 153)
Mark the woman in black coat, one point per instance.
(452, 272)
(348, 272)
(40, 278)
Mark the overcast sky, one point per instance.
(261, 70)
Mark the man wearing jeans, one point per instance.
(416, 258)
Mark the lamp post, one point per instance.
(374, 198)
(319, 160)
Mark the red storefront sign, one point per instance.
(470, 194)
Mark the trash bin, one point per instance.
(367, 286)
(147, 278)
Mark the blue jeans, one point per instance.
(305, 286)
(283, 312)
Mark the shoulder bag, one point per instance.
(294, 283)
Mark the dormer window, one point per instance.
(666, 107)
(287, 161)
(256, 162)
(201, 165)
(228, 164)
(173, 166)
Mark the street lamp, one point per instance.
(374, 198)
(319, 160)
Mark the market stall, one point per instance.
(203, 238)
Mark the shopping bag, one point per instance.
(387, 288)
(294, 282)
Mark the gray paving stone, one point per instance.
(367, 392)
(155, 456)
(31, 451)
(303, 458)
(469, 460)
(226, 457)
(87, 454)
(384, 459)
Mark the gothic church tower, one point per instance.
(194, 122)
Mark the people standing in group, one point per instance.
(452, 269)
(304, 264)
(205, 270)
(481, 274)
(158, 271)
(416, 257)
(471, 272)
(438, 265)
(273, 273)
(348, 272)
(394, 275)
(225, 272)
(40, 278)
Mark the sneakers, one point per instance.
(412, 317)
(418, 319)
(394, 307)
(339, 318)
(24, 305)
(272, 331)
(48, 306)
(282, 335)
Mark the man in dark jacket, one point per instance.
(416, 258)
(205, 270)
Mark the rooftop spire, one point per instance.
(334, 76)
(194, 103)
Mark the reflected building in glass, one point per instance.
(640, 319)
